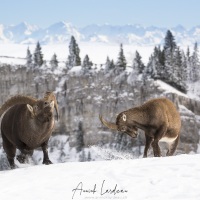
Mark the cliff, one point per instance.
(83, 96)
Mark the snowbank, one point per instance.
(167, 178)
(166, 87)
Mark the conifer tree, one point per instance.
(74, 51)
(121, 62)
(109, 65)
(38, 56)
(184, 71)
(178, 67)
(82, 156)
(87, 64)
(89, 157)
(188, 53)
(138, 65)
(80, 138)
(112, 65)
(195, 64)
(169, 51)
(170, 43)
(188, 63)
(155, 66)
(54, 61)
(28, 57)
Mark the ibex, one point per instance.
(158, 118)
(27, 124)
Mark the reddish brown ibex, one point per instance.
(158, 118)
(27, 124)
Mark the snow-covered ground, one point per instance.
(168, 89)
(97, 52)
(167, 178)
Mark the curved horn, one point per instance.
(110, 125)
(49, 96)
(18, 99)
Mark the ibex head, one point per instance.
(41, 109)
(122, 124)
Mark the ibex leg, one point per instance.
(46, 159)
(149, 140)
(10, 150)
(158, 135)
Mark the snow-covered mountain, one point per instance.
(152, 178)
(128, 34)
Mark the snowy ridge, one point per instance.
(152, 178)
(167, 88)
(128, 34)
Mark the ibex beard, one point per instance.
(27, 124)
(158, 118)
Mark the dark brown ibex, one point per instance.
(158, 118)
(27, 124)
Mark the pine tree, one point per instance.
(87, 64)
(138, 65)
(188, 63)
(28, 57)
(121, 62)
(169, 52)
(188, 53)
(155, 66)
(170, 43)
(54, 61)
(78, 59)
(184, 71)
(89, 157)
(195, 64)
(74, 51)
(179, 71)
(109, 65)
(112, 65)
(38, 56)
(148, 69)
(82, 156)
(80, 138)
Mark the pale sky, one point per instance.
(161, 13)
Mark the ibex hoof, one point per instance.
(13, 166)
(47, 162)
(157, 155)
(21, 158)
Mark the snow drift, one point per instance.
(175, 177)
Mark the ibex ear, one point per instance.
(52, 104)
(30, 108)
(124, 117)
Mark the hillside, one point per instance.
(82, 98)
(169, 178)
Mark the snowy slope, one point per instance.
(97, 52)
(167, 178)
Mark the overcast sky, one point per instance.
(161, 13)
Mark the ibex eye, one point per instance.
(45, 102)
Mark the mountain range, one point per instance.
(61, 32)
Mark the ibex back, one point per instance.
(158, 118)
(27, 124)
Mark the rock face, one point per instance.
(83, 96)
